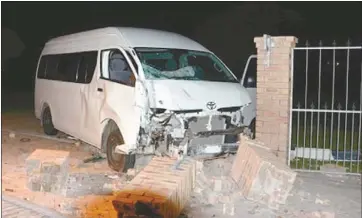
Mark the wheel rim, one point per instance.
(47, 118)
(116, 158)
(252, 130)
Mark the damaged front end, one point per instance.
(192, 132)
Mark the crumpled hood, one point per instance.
(193, 95)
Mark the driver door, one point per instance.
(119, 90)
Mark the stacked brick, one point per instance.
(47, 170)
(260, 175)
(274, 92)
(159, 190)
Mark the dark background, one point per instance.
(226, 28)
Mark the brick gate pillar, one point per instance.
(274, 92)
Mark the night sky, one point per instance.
(37, 22)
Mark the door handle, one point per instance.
(100, 90)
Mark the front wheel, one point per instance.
(252, 129)
(118, 162)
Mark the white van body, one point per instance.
(149, 112)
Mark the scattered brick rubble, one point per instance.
(254, 173)
(158, 189)
(214, 186)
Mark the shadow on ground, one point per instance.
(134, 203)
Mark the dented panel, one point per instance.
(119, 104)
(186, 116)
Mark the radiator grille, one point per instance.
(217, 123)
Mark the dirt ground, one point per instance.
(16, 148)
(313, 195)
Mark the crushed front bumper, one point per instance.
(224, 141)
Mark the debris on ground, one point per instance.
(25, 140)
(12, 135)
(214, 185)
(95, 158)
(335, 168)
(9, 190)
(131, 173)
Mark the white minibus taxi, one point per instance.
(134, 91)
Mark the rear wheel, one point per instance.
(118, 162)
(47, 122)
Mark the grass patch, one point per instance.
(337, 139)
(311, 164)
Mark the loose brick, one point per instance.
(261, 177)
(160, 192)
(47, 170)
(165, 189)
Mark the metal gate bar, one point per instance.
(322, 137)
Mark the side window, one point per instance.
(250, 77)
(68, 67)
(115, 68)
(52, 67)
(88, 62)
(42, 67)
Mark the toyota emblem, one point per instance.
(211, 105)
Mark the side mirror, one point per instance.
(132, 80)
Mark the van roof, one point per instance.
(136, 37)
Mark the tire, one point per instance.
(118, 162)
(252, 129)
(47, 122)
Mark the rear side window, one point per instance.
(42, 67)
(87, 66)
(72, 67)
(52, 67)
(68, 67)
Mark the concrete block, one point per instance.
(34, 182)
(47, 170)
(81, 184)
(260, 175)
(42, 160)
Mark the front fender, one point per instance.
(129, 136)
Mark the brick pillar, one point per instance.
(274, 93)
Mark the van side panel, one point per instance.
(77, 108)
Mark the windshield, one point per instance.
(179, 64)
